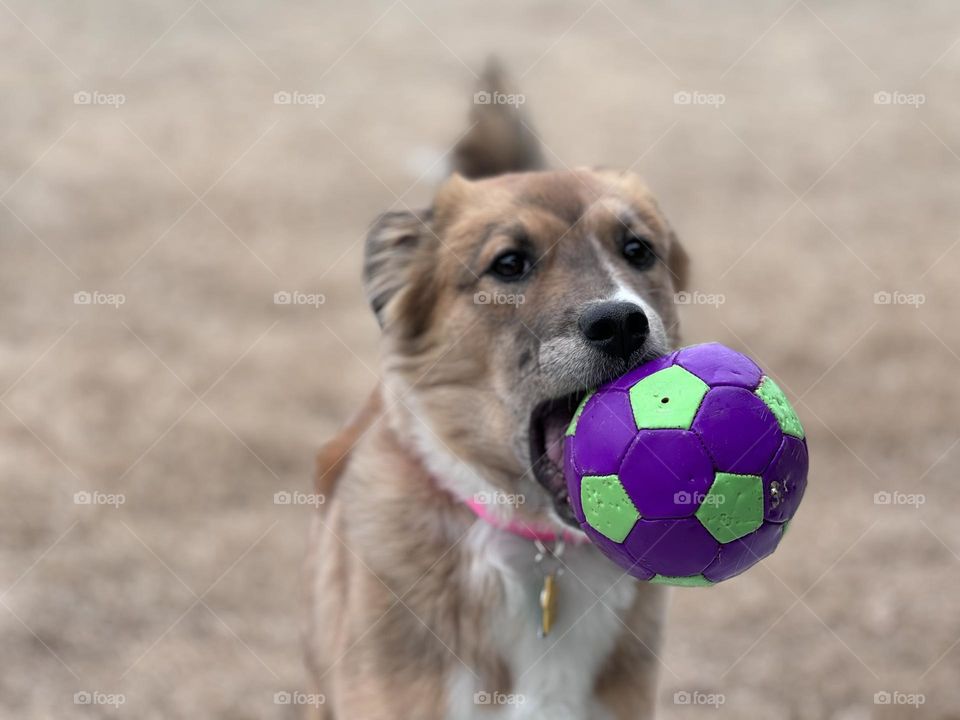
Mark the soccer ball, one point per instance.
(686, 470)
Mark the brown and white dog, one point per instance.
(500, 306)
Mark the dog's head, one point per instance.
(503, 304)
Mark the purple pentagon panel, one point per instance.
(604, 432)
(740, 555)
(572, 473)
(785, 480)
(671, 547)
(625, 382)
(717, 364)
(666, 473)
(738, 430)
(618, 553)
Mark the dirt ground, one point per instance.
(176, 184)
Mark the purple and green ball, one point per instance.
(686, 470)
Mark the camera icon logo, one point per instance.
(882, 97)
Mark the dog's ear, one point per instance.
(394, 243)
(500, 139)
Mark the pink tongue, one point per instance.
(554, 427)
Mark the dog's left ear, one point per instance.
(394, 242)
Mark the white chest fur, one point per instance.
(554, 676)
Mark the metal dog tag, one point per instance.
(548, 561)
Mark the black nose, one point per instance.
(615, 328)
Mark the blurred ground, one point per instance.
(198, 198)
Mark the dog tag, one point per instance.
(549, 564)
(548, 604)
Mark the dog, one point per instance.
(500, 306)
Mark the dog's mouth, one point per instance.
(548, 425)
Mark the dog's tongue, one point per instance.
(554, 428)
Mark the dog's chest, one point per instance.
(553, 676)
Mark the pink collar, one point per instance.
(533, 530)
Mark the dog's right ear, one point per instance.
(394, 242)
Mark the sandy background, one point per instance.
(198, 398)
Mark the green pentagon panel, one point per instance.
(607, 506)
(681, 581)
(773, 396)
(572, 427)
(733, 507)
(667, 399)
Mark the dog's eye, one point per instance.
(511, 265)
(638, 251)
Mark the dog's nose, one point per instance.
(615, 328)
